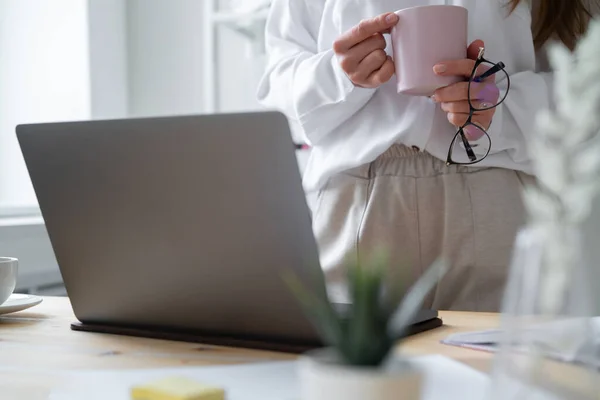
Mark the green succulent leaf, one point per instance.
(367, 342)
(319, 311)
(381, 309)
(401, 319)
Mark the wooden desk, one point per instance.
(36, 342)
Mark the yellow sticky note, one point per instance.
(176, 388)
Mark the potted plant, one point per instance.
(358, 361)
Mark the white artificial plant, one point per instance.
(565, 150)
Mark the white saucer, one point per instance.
(19, 302)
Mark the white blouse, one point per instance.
(348, 126)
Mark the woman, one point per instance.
(378, 161)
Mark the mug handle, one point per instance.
(393, 52)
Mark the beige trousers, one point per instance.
(417, 209)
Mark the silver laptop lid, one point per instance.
(177, 222)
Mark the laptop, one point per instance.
(181, 228)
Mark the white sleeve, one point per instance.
(306, 84)
(530, 92)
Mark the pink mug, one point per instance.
(423, 37)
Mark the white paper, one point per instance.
(445, 379)
(490, 340)
(264, 381)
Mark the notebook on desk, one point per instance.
(180, 227)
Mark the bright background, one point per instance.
(90, 59)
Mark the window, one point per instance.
(43, 77)
(82, 59)
(89, 59)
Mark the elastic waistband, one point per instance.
(402, 160)
(401, 151)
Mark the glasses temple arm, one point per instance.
(495, 69)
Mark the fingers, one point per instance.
(466, 66)
(482, 119)
(452, 93)
(375, 70)
(473, 49)
(382, 75)
(455, 98)
(455, 68)
(370, 64)
(359, 52)
(457, 107)
(457, 119)
(364, 30)
(486, 92)
(366, 62)
(463, 107)
(473, 132)
(462, 68)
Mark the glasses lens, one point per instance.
(484, 94)
(471, 147)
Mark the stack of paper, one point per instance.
(561, 340)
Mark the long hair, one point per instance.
(565, 20)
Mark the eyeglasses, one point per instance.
(472, 143)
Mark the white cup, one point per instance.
(8, 277)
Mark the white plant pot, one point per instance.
(322, 378)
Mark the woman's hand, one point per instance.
(454, 98)
(361, 52)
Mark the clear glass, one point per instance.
(550, 348)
